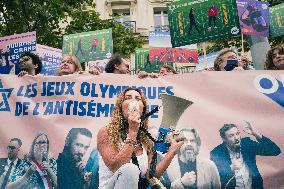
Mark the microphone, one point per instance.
(145, 116)
(238, 152)
(44, 156)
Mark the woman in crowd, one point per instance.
(126, 153)
(275, 58)
(227, 60)
(69, 65)
(38, 169)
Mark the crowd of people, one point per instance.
(226, 60)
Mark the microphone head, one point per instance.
(44, 156)
(238, 152)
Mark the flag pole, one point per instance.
(243, 49)
(204, 54)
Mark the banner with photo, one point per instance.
(55, 105)
(277, 20)
(177, 55)
(142, 61)
(198, 21)
(253, 17)
(88, 46)
(50, 57)
(11, 47)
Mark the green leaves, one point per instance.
(54, 18)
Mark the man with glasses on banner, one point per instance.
(9, 164)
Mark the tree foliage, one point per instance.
(51, 20)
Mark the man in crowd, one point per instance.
(187, 164)
(117, 65)
(30, 64)
(227, 60)
(167, 70)
(9, 164)
(235, 158)
(71, 173)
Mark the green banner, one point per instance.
(88, 46)
(142, 61)
(202, 20)
(277, 20)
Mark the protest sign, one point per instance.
(50, 57)
(198, 21)
(177, 55)
(54, 105)
(159, 39)
(142, 61)
(163, 39)
(277, 20)
(11, 47)
(88, 46)
(253, 17)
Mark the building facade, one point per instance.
(141, 16)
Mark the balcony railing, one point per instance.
(131, 25)
(161, 28)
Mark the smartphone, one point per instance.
(231, 64)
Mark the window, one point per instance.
(121, 15)
(161, 21)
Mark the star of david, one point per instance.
(4, 96)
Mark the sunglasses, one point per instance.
(41, 142)
(11, 147)
(24, 59)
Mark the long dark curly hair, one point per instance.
(119, 125)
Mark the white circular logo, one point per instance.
(235, 30)
(108, 55)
